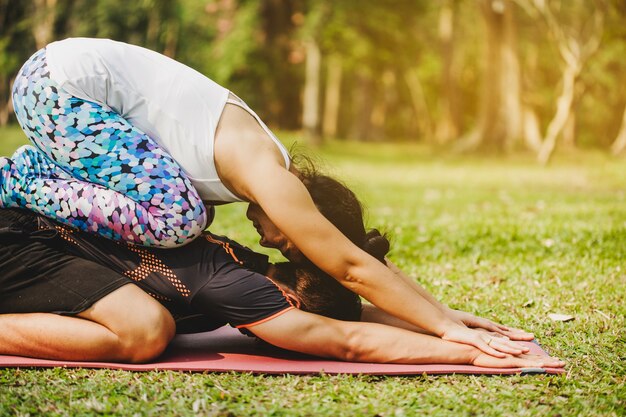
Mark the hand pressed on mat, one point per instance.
(525, 360)
(495, 346)
(476, 322)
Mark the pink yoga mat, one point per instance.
(226, 350)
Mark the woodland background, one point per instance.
(465, 75)
(392, 91)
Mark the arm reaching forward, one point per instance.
(461, 317)
(250, 165)
(289, 206)
(369, 342)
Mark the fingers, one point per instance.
(540, 361)
(522, 361)
(506, 346)
(517, 334)
(502, 327)
(495, 327)
(496, 332)
(485, 344)
(489, 350)
(492, 334)
(511, 332)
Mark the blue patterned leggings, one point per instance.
(91, 169)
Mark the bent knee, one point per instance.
(146, 338)
(171, 236)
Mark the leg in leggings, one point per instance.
(110, 178)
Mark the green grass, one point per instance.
(503, 238)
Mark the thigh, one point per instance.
(38, 276)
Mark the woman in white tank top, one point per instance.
(133, 145)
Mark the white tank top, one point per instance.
(175, 105)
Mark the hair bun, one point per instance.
(376, 245)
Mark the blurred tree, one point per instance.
(43, 15)
(577, 38)
(615, 50)
(247, 46)
(499, 118)
(332, 94)
(366, 58)
(370, 71)
(13, 41)
(448, 123)
(316, 14)
(620, 142)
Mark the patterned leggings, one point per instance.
(91, 169)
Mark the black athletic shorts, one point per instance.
(38, 276)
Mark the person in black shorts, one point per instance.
(47, 268)
(50, 268)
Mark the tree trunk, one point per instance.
(532, 131)
(574, 51)
(362, 102)
(43, 21)
(171, 38)
(310, 105)
(569, 130)
(6, 108)
(563, 109)
(418, 99)
(511, 81)
(381, 104)
(620, 142)
(448, 124)
(500, 113)
(332, 96)
(489, 132)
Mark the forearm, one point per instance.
(372, 314)
(393, 295)
(421, 290)
(370, 342)
(359, 342)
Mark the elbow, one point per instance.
(352, 348)
(351, 279)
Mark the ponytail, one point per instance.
(376, 244)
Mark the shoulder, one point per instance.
(243, 150)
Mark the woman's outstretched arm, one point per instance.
(288, 204)
(368, 342)
(461, 317)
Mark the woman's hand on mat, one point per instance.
(525, 360)
(494, 346)
(475, 322)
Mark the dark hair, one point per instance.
(318, 292)
(342, 208)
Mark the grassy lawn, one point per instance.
(503, 238)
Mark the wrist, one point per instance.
(472, 354)
(446, 327)
(450, 312)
